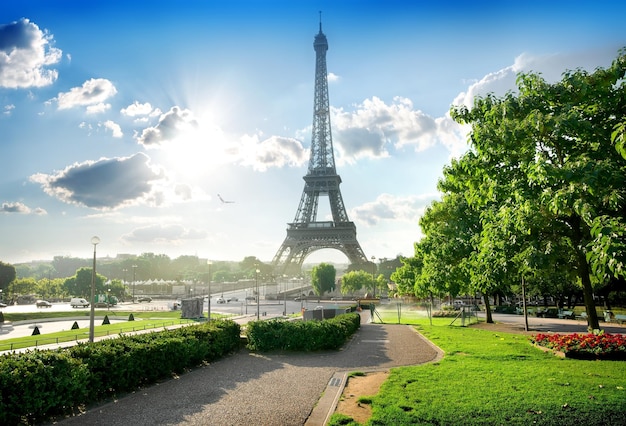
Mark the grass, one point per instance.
(146, 320)
(22, 316)
(488, 378)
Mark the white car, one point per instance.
(220, 300)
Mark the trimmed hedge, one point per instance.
(36, 385)
(302, 335)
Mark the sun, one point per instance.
(196, 150)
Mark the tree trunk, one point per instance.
(583, 270)
(488, 316)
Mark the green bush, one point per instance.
(302, 335)
(37, 384)
(125, 363)
(61, 380)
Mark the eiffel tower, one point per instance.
(306, 233)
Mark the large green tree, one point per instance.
(323, 278)
(80, 284)
(551, 148)
(354, 281)
(7, 275)
(405, 275)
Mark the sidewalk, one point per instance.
(279, 388)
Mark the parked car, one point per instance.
(233, 299)
(145, 299)
(548, 313)
(220, 300)
(43, 304)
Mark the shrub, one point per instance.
(302, 335)
(125, 363)
(37, 384)
(61, 380)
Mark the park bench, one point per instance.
(566, 314)
(582, 316)
(620, 319)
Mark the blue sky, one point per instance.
(125, 120)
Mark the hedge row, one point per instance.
(302, 335)
(36, 385)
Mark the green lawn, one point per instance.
(488, 378)
(144, 320)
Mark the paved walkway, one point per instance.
(279, 389)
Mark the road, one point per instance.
(239, 307)
(555, 325)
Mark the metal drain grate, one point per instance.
(335, 381)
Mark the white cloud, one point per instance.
(389, 207)
(114, 128)
(275, 151)
(374, 127)
(171, 125)
(91, 94)
(137, 110)
(332, 77)
(550, 67)
(21, 208)
(106, 183)
(159, 233)
(97, 108)
(8, 109)
(25, 54)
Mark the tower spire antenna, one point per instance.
(320, 21)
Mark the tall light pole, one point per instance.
(134, 273)
(285, 295)
(256, 274)
(94, 241)
(373, 272)
(209, 263)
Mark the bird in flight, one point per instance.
(224, 201)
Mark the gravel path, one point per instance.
(261, 389)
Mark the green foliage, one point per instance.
(323, 278)
(354, 281)
(38, 384)
(7, 275)
(540, 195)
(80, 284)
(608, 248)
(23, 286)
(338, 419)
(62, 380)
(123, 364)
(301, 335)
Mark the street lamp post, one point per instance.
(209, 263)
(256, 274)
(134, 274)
(94, 241)
(285, 295)
(373, 272)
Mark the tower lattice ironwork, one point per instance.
(306, 234)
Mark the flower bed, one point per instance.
(584, 346)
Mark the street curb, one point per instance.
(326, 405)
